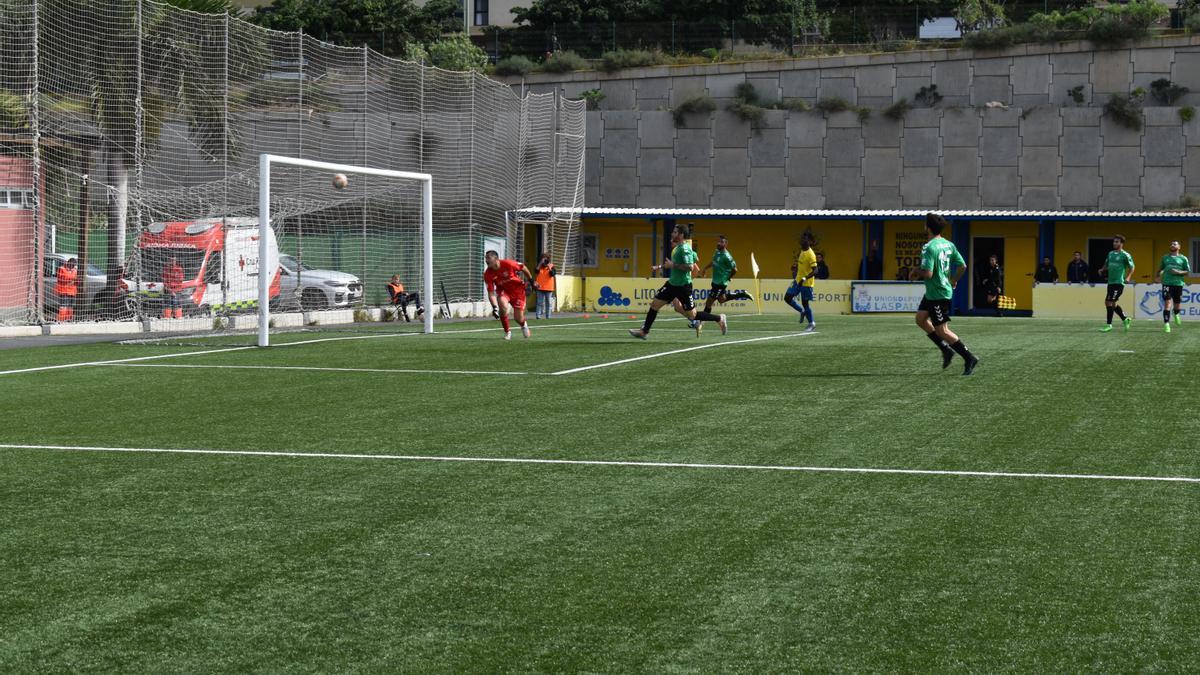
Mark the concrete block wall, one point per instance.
(1006, 135)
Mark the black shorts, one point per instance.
(1114, 292)
(939, 310)
(683, 294)
(1172, 293)
(718, 291)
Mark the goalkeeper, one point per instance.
(505, 281)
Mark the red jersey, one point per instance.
(505, 280)
(173, 278)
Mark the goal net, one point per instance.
(124, 121)
(385, 239)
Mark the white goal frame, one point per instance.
(265, 161)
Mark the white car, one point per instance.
(311, 289)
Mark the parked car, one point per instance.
(309, 288)
(89, 284)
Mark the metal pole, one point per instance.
(225, 169)
(39, 232)
(264, 224)
(427, 235)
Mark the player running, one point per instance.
(724, 268)
(506, 287)
(678, 287)
(1172, 269)
(933, 315)
(805, 271)
(1119, 267)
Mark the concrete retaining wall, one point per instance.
(1040, 151)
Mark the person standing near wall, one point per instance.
(1077, 270)
(545, 285)
(1047, 273)
(822, 268)
(991, 281)
(805, 271)
(67, 288)
(1119, 267)
(1173, 268)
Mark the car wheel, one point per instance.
(313, 299)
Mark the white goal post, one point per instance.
(265, 161)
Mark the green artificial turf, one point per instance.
(155, 561)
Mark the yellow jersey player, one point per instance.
(806, 272)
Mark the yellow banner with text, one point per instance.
(617, 295)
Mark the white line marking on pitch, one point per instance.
(679, 351)
(130, 360)
(585, 462)
(335, 370)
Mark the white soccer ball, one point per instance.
(340, 181)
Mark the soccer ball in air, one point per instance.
(340, 181)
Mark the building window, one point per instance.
(481, 12)
(14, 198)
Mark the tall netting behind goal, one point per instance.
(124, 123)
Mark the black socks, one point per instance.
(962, 350)
(651, 315)
(707, 316)
(1117, 309)
(941, 344)
(1110, 313)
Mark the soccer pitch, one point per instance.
(585, 501)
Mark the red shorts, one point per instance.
(514, 296)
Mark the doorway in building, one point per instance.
(1098, 249)
(982, 249)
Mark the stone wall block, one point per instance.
(843, 187)
(620, 119)
(1186, 70)
(768, 188)
(656, 198)
(953, 78)
(1080, 146)
(960, 167)
(961, 128)
(844, 147)
(1079, 187)
(999, 186)
(1191, 170)
(921, 147)
(652, 92)
(656, 129)
(845, 119)
(1041, 127)
(723, 86)
(1030, 74)
(1039, 167)
(907, 87)
(875, 81)
(840, 87)
(731, 167)
(1071, 62)
(1121, 167)
(805, 198)
(618, 94)
(802, 84)
(1162, 185)
(918, 69)
(1001, 117)
(881, 167)
(768, 148)
(1039, 199)
(656, 167)
(881, 198)
(693, 147)
(990, 88)
(693, 187)
(1060, 90)
(998, 66)
(1154, 60)
(805, 130)
(806, 167)
(684, 88)
(1112, 71)
(767, 87)
(1081, 117)
(881, 132)
(1116, 135)
(619, 186)
(730, 131)
(593, 164)
(620, 147)
(593, 128)
(964, 198)
(1162, 116)
(1163, 146)
(920, 187)
(923, 117)
(1121, 199)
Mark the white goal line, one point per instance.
(607, 463)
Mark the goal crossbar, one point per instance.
(265, 161)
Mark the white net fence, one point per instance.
(130, 133)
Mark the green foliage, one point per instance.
(12, 112)
(1108, 26)
(1192, 23)
(1125, 110)
(1186, 114)
(711, 53)
(1166, 92)
(833, 104)
(696, 105)
(928, 96)
(353, 22)
(287, 94)
(611, 62)
(794, 104)
(564, 62)
(897, 110)
(514, 65)
(1121, 23)
(457, 52)
(1076, 94)
(746, 93)
(971, 15)
(864, 113)
(748, 112)
(592, 97)
(417, 53)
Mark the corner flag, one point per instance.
(757, 286)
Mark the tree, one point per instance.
(353, 22)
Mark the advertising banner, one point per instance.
(633, 296)
(1149, 301)
(1086, 301)
(886, 296)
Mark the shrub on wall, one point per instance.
(1125, 110)
(514, 65)
(696, 105)
(564, 62)
(610, 62)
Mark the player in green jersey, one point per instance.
(1172, 269)
(933, 315)
(678, 287)
(724, 268)
(1119, 269)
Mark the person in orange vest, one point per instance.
(66, 287)
(398, 296)
(172, 280)
(544, 283)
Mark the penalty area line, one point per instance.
(679, 351)
(410, 371)
(607, 463)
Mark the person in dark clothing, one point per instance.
(991, 282)
(873, 263)
(822, 268)
(1077, 271)
(1047, 273)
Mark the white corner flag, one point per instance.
(757, 286)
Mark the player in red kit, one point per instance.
(505, 281)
